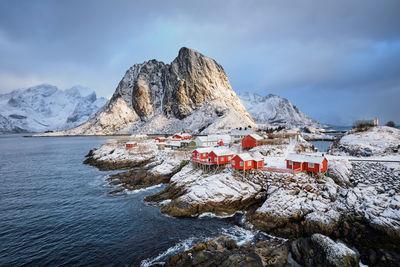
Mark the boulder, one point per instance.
(320, 250)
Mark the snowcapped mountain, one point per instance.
(192, 93)
(272, 109)
(45, 107)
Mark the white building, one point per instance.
(238, 135)
(213, 140)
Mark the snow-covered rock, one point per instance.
(340, 171)
(45, 107)
(301, 205)
(147, 166)
(379, 140)
(272, 109)
(192, 93)
(193, 192)
(320, 250)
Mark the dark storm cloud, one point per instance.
(337, 60)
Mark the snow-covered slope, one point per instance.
(192, 93)
(272, 109)
(379, 140)
(45, 107)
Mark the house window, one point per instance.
(233, 162)
(310, 165)
(248, 163)
(220, 158)
(230, 157)
(241, 164)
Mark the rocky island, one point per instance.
(345, 216)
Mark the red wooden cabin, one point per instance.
(130, 144)
(181, 137)
(246, 162)
(161, 139)
(220, 156)
(200, 155)
(252, 140)
(310, 163)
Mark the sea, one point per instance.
(323, 146)
(57, 211)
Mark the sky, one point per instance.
(336, 60)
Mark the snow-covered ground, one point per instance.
(380, 140)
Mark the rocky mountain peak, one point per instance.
(192, 93)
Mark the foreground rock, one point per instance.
(222, 251)
(379, 140)
(320, 250)
(192, 93)
(357, 210)
(147, 166)
(192, 192)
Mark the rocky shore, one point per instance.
(347, 204)
(316, 250)
(222, 251)
(192, 192)
(357, 203)
(145, 165)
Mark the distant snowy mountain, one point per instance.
(272, 109)
(45, 107)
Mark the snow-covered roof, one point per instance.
(215, 138)
(204, 149)
(131, 143)
(241, 132)
(305, 158)
(258, 157)
(256, 137)
(222, 151)
(245, 156)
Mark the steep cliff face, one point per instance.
(192, 93)
(272, 109)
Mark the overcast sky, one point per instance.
(336, 60)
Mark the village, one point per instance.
(238, 151)
(277, 180)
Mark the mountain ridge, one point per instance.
(46, 108)
(272, 109)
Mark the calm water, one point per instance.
(322, 146)
(56, 211)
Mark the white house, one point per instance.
(213, 140)
(238, 135)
